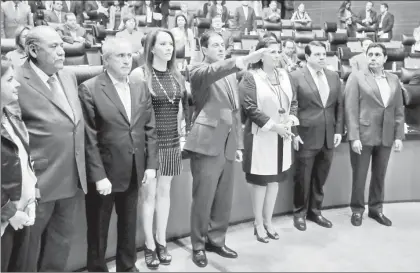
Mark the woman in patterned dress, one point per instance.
(169, 101)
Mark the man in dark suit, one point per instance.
(217, 26)
(120, 145)
(320, 113)
(75, 7)
(367, 17)
(14, 14)
(245, 17)
(214, 142)
(55, 17)
(374, 114)
(72, 33)
(97, 11)
(52, 113)
(385, 23)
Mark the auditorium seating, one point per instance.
(411, 95)
(84, 72)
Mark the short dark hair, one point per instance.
(264, 43)
(377, 45)
(308, 50)
(270, 34)
(204, 40)
(223, 2)
(385, 5)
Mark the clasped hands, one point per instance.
(104, 186)
(25, 217)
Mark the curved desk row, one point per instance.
(402, 184)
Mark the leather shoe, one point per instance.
(356, 219)
(320, 220)
(380, 218)
(223, 251)
(299, 223)
(199, 258)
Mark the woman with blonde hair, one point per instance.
(169, 99)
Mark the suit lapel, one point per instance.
(331, 84)
(393, 86)
(371, 81)
(312, 84)
(70, 94)
(109, 90)
(135, 97)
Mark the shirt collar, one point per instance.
(115, 81)
(41, 74)
(314, 72)
(382, 76)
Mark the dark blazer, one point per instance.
(91, 9)
(111, 140)
(65, 34)
(250, 23)
(362, 16)
(10, 20)
(387, 24)
(52, 18)
(367, 118)
(216, 125)
(11, 169)
(76, 7)
(57, 138)
(318, 124)
(212, 12)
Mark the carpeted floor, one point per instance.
(371, 247)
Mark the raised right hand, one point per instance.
(255, 56)
(19, 220)
(356, 146)
(104, 186)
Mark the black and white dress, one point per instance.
(166, 114)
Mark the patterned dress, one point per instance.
(166, 114)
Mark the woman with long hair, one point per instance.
(18, 56)
(18, 181)
(170, 101)
(270, 107)
(184, 37)
(346, 20)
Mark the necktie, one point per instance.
(59, 96)
(230, 94)
(125, 97)
(59, 16)
(323, 88)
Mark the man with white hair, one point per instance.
(52, 113)
(120, 145)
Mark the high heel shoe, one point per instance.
(274, 236)
(162, 253)
(259, 238)
(152, 261)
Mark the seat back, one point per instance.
(84, 72)
(75, 54)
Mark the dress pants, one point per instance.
(98, 215)
(51, 235)
(212, 199)
(360, 165)
(312, 168)
(14, 249)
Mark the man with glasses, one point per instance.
(320, 113)
(374, 114)
(121, 154)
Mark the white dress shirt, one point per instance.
(123, 90)
(382, 19)
(384, 88)
(315, 77)
(58, 13)
(44, 78)
(245, 11)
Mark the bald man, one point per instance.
(53, 115)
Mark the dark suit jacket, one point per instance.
(362, 16)
(56, 139)
(10, 20)
(76, 7)
(65, 34)
(367, 118)
(112, 141)
(250, 23)
(387, 24)
(318, 124)
(212, 12)
(216, 126)
(51, 17)
(91, 9)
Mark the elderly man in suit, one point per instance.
(121, 154)
(374, 114)
(214, 142)
(385, 23)
(360, 61)
(14, 14)
(245, 17)
(53, 115)
(72, 33)
(367, 17)
(320, 112)
(55, 17)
